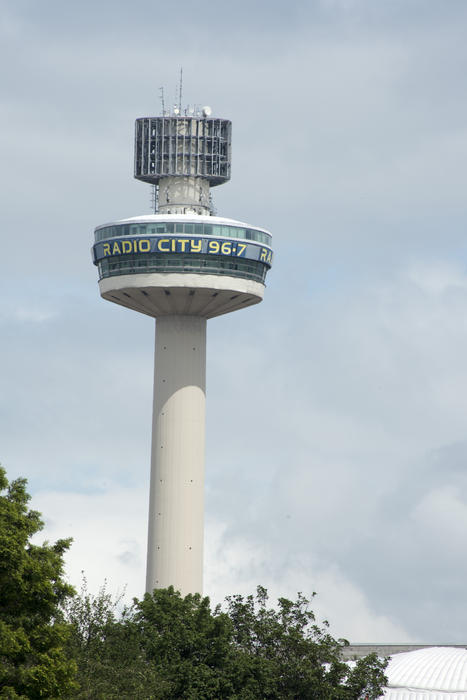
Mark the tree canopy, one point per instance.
(33, 659)
(168, 647)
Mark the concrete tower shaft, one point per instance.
(175, 537)
(181, 266)
(184, 195)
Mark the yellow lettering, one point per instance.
(126, 246)
(241, 248)
(264, 254)
(182, 242)
(116, 249)
(106, 248)
(174, 245)
(159, 245)
(269, 257)
(195, 246)
(144, 245)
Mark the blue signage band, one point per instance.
(181, 244)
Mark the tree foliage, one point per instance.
(168, 647)
(107, 648)
(285, 654)
(33, 660)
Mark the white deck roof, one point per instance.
(437, 673)
(189, 218)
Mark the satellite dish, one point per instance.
(207, 111)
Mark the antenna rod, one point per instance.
(161, 90)
(180, 90)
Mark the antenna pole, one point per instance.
(161, 90)
(180, 91)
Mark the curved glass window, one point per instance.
(192, 229)
(200, 264)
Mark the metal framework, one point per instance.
(182, 146)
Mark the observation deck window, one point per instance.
(129, 264)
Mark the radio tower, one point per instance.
(182, 266)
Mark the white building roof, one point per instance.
(189, 218)
(437, 673)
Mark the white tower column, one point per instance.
(182, 265)
(176, 502)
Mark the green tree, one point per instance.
(106, 645)
(162, 647)
(188, 646)
(284, 655)
(167, 647)
(33, 659)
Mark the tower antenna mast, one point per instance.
(180, 90)
(161, 90)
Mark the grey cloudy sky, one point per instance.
(337, 410)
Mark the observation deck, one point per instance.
(192, 264)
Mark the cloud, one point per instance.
(27, 315)
(370, 389)
(108, 527)
(109, 531)
(336, 410)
